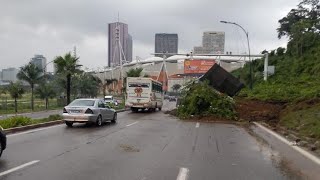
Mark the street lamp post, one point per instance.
(247, 35)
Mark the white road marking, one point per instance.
(197, 125)
(132, 123)
(34, 130)
(300, 150)
(18, 168)
(183, 174)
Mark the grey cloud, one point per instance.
(54, 27)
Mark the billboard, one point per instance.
(197, 66)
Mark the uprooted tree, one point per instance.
(199, 99)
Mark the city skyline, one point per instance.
(24, 32)
(213, 42)
(40, 61)
(119, 31)
(166, 43)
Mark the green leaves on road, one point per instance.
(199, 99)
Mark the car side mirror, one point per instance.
(107, 106)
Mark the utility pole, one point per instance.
(247, 35)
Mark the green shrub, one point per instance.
(202, 100)
(54, 117)
(16, 121)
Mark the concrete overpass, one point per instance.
(175, 64)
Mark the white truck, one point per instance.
(144, 94)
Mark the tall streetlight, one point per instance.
(247, 35)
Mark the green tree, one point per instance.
(176, 87)
(16, 90)
(88, 85)
(134, 72)
(67, 66)
(46, 91)
(301, 26)
(280, 51)
(32, 75)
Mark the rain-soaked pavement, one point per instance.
(142, 146)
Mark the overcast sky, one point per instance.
(54, 27)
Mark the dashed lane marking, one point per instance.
(183, 174)
(132, 124)
(18, 168)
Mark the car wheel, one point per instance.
(0, 148)
(134, 110)
(99, 121)
(114, 120)
(159, 108)
(69, 124)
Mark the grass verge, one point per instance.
(18, 121)
(302, 118)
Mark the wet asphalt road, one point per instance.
(141, 146)
(34, 115)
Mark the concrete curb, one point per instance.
(302, 151)
(34, 126)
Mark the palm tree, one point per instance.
(16, 91)
(32, 75)
(46, 91)
(176, 87)
(67, 66)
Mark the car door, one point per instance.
(103, 110)
(109, 112)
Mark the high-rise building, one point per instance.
(40, 61)
(129, 48)
(166, 43)
(9, 74)
(119, 31)
(212, 43)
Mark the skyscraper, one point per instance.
(119, 30)
(212, 43)
(166, 43)
(40, 61)
(9, 74)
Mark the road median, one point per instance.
(38, 125)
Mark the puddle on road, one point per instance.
(128, 148)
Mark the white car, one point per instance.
(88, 111)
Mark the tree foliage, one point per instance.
(302, 27)
(87, 85)
(32, 75)
(46, 91)
(176, 87)
(67, 66)
(134, 72)
(199, 99)
(15, 90)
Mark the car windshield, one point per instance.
(82, 102)
(108, 99)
